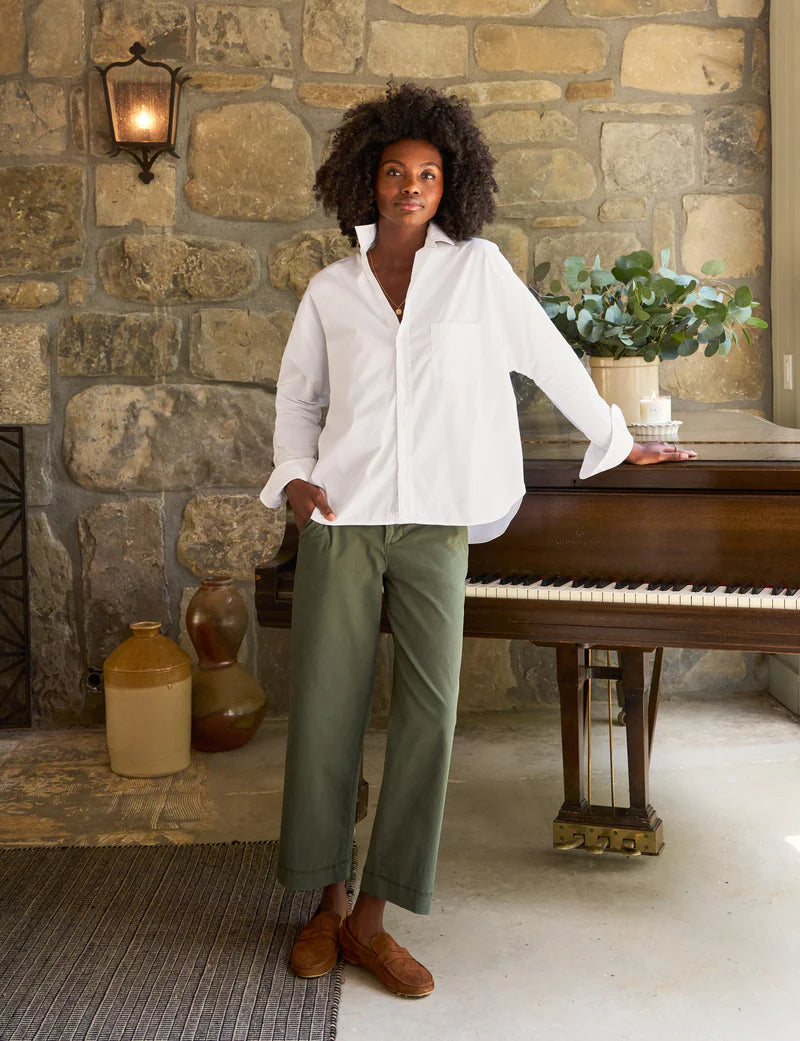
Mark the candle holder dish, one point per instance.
(660, 431)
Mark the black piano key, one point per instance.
(730, 589)
(778, 590)
(750, 589)
(676, 587)
(548, 581)
(559, 583)
(652, 585)
(664, 587)
(698, 587)
(621, 585)
(790, 591)
(491, 577)
(518, 580)
(506, 580)
(711, 588)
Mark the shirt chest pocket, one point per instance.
(456, 351)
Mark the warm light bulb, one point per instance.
(144, 120)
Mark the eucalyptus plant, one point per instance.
(634, 311)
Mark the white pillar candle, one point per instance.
(655, 410)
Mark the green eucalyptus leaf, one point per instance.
(555, 286)
(713, 267)
(665, 255)
(743, 297)
(541, 271)
(689, 346)
(711, 350)
(757, 323)
(600, 279)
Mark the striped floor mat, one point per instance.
(155, 943)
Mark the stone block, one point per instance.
(515, 126)
(238, 346)
(529, 176)
(168, 269)
(621, 208)
(274, 668)
(79, 290)
(487, 680)
(24, 373)
(512, 243)
(503, 48)
(227, 82)
(683, 59)
(641, 108)
(583, 90)
(724, 227)
(294, 261)
(55, 39)
(228, 535)
(535, 671)
(337, 95)
(59, 697)
(233, 34)
(333, 33)
(587, 244)
(472, 8)
(742, 375)
(647, 157)
(38, 467)
(509, 92)
(417, 50)
(736, 145)
(162, 28)
(568, 220)
(41, 219)
(33, 118)
(633, 8)
(120, 197)
(664, 230)
(12, 38)
(760, 63)
(739, 8)
(27, 296)
(712, 672)
(118, 344)
(79, 126)
(123, 576)
(169, 437)
(250, 161)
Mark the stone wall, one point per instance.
(141, 327)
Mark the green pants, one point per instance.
(341, 575)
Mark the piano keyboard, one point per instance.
(608, 591)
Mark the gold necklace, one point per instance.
(398, 308)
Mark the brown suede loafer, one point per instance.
(317, 947)
(397, 970)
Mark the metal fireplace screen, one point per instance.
(15, 656)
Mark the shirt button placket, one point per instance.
(401, 367)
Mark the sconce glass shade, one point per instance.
(142, 103)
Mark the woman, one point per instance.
(409, 343)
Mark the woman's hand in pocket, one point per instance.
(304, 498)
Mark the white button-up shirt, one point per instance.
(422, 423)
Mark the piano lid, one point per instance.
(737, 452)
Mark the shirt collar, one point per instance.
(366, 235)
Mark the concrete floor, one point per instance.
(525, 942)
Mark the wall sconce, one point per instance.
(142, 103)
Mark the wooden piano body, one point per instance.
(726, 522)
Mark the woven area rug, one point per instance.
(155, 943)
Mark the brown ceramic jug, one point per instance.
(228, 704)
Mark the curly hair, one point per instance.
(345, 181)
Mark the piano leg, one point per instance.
(630, 830)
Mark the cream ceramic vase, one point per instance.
(148, 684)
(624, 381)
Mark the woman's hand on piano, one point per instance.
(658, 452)
(304, 498)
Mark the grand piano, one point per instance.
(699, 554)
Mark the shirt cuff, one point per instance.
(273, 494)
(617, 451)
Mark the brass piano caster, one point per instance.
(621, 719)
(573, 843)
(599, 847)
